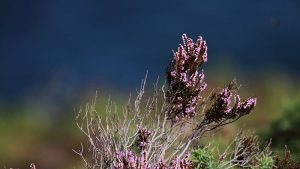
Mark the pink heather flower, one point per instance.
(184, 163)
(247, 105)
(237, 104)
(173, 73)
(143, 144)
(161, 165)
(128, 160)
(143, 137)
(125, 160)
(250, 102)
(221, 108)
(184, 80)
(32, 166)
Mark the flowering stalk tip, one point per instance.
(185, 82)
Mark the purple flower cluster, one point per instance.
(221, 108)
(185, 83)
(32, 166)
(246, 106)
(127, 160)
(143, 137)
(177, 163)
(184, 163)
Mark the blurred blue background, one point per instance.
(55, 53)
(81, 43)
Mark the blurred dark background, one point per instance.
(55, 54)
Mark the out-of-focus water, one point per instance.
(70, 44)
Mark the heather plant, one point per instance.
(243, 152)
(157, 132)
(163, 130)
(286, 162)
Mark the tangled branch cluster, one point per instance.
(157, 132)
(243, 152)
(127, 160)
